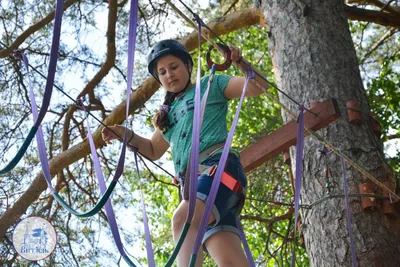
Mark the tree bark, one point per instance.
(314, 58)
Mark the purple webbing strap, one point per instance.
(244, 242)
(149, 246)
(121, 161)
(131, 55)
(220, 170)
(100, 178)
(52, 63)
(205, 96)
(299, 173)
(39, 134)
(194, 152)
(38, 117)
(46, 169)
(348, 214)
(131, 60)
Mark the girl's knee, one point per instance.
(179, 219)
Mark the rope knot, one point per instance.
(132, 148)
(80, 102)
(197, 18)
(323, 151)
(17, 54)
(250, 72)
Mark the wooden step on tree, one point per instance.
(319, 116)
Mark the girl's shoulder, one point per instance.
(216, 76)
(219, 80)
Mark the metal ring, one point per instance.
(228, 60)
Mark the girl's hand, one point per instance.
(108, 133)
(236, 54)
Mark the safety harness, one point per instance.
(226, 179)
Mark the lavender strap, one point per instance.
(220, 170)
(149, 247)
(244, 242)
(299, 173)
(205, 96)
(165, 108)
(48, 89)
(100, 178)
(131, 55)
(121, 161)
(195, 149)
(39, 134)
(197, 123)
(99, 174)
(348, 214)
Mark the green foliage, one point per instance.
(379, 71)
(384, 96)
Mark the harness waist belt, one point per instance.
(226, 178)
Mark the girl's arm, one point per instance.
(152, 148)
(235, 85)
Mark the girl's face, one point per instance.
(173, 73)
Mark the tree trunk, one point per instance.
(314, 58)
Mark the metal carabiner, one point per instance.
(228, 60)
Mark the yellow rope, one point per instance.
(263, 84)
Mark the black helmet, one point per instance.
(166, 47)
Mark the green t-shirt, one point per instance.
(214, 127)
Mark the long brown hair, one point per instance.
(161, 120)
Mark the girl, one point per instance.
(171, 65)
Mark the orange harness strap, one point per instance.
(226, 179)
